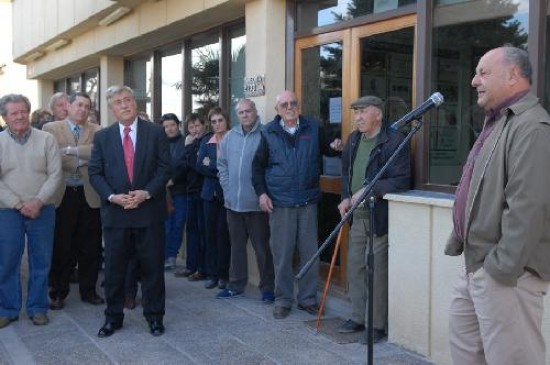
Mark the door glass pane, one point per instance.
(322, 93)
(205, 74)
(386, 70)
(171, 84)
(463, 32)
(237, 69)
(322, 100)
(311, 14)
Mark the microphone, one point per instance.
(433, 102)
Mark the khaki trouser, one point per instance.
(495, 324)
(357, 274)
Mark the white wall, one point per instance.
(13, 77)
(421, 277)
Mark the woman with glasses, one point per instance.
(218, 249)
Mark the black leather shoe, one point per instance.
(108, 329)
(156, 328)
(311, 309)
(378, 336)
(56, 304)
(93, 298)
(351, 326)
(211, 283)
(280, 312)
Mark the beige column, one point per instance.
(44, 91)
(265, 50)
(111, 73)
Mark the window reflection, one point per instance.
(463, 32)
(205, 75)
(318, 13)
(171, 82)
(322, 96)
(237, 70)
(91, 86)
(139, 76)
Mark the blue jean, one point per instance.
(194, 259)
(39, 233)
(173, 226)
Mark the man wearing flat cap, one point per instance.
(366, 151)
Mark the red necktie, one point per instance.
(128, 153)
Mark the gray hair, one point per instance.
(13, 98)
(242, 101)
(518, 57)
(55, 97)
(117, 89)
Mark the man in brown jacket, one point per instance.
(500, 216)
(77, 223)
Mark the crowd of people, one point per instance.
(137, 186)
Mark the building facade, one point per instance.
(186, 55)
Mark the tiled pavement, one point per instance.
(199, 330)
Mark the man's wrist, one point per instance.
(110, 198)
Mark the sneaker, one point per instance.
(170, 263)
(40, 319)
(228, 293)
(4, 321)
(268, 297)
(351, 326)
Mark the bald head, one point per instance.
(500, 74)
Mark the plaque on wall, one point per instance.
(254, 86)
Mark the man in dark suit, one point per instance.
(129, 169)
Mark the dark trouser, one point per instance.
(253, 225)
(77, 234)
(218, 248)
(132, 277)
(148, 244)
(194, 258)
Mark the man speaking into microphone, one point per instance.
(367, 149)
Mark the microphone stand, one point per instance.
(370, 258)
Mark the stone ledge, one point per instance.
(423, 197)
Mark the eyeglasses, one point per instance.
(289, 104)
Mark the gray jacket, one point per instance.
(235, 157)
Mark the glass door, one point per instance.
(332, 70)
(321, 78)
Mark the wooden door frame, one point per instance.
(351, 65)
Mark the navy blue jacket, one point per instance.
(396, 178)
(287, 167)
(108, 175)
(177, 150)
(207, 161)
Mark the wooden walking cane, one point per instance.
(329, 277)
